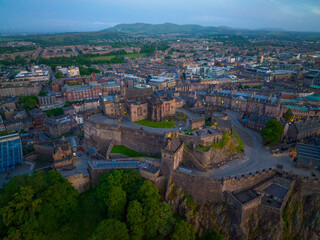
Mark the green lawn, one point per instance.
(240, 146)
(163, 124)
(223, 142)
(129, 152)
(132, 55)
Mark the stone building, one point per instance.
(256, 122)
(303, 129)
(243, 102)
(195, 123)
(62, 157)
(60, 125)
(137, 111)
(37, 117)
(161, 105)
(267, 197)
(112, 106)
(171, 155)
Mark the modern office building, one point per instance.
(10, 151)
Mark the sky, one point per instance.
(47, 16)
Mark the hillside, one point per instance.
(167, 28)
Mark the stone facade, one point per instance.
(112, 106)
(171, 155)
(137, 111)
(62, 157)
(161, 106)
(243, 102)
(195, 123)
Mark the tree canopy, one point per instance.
(273, 131)
(36, 206)
(288, 115)
(122, 206)
(59, 75)
(111, 229)
(29, 102)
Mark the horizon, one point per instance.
(99, 30)
(39, 17)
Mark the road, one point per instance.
(256, 157)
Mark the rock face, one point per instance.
(300, 220)
(200, 216)
(301, 217)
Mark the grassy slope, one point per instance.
(164, 124)
(129, 152)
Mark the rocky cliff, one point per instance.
(300, 220)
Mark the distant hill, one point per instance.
(166, 28)
(123, 32)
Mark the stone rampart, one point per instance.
(246, 182)
(143, 141)
(200, 188)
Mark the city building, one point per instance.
(160, 82)
(137, 111)
(112, 106)
(10, 151)
(83, 92)
(35, 75)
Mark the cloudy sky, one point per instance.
(90, 15)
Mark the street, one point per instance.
(256, 157)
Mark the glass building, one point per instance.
(10, 151)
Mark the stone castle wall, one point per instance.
(211, 190)
(142, 141)
(200, 188)
(139, 140)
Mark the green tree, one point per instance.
(211, 234)
(183, 231)
(184, 77)
(149, 196)
(288, 115)
(166, 219)
(42, 93)
(4, 132)
(273, 131)
(59, 75)
(36, 205)
(110, 229)
(29, 102)
(135, 220)
(116, 202)
(20, 215)
(54, 112)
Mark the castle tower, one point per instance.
(171, 155)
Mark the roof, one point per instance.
(307, 153)
(259, 119)
(307, 125)
(276, 190)
(113, 165)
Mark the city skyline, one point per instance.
(34, 16)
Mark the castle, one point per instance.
(264, 192)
